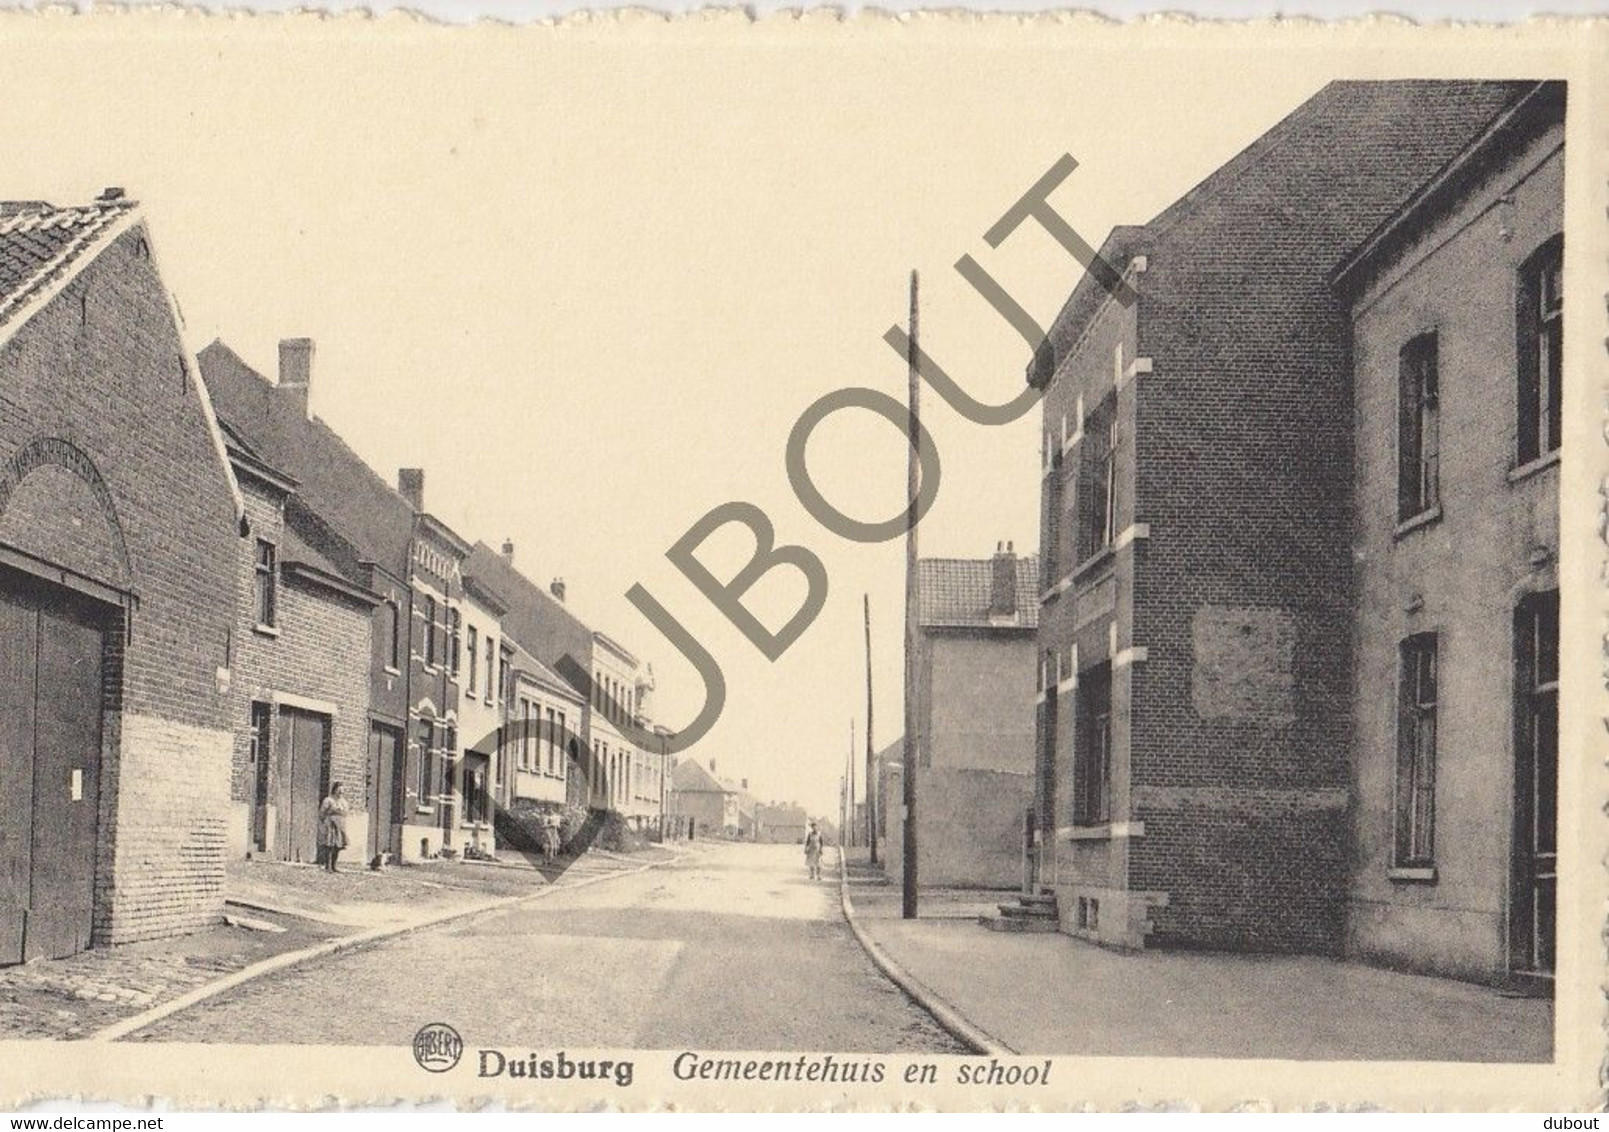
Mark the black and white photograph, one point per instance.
(801, 562)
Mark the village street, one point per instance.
(731, 947)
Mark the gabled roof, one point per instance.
(332, 479)
(955, 593)
(535, 619)
(690, 777)
(1324, 176)
(39, 243)
(529, 666)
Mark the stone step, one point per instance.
(1027, 911)
(1039, 898)
(1017, 923)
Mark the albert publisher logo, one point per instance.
(437, 1047)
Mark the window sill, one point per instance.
(266, 630)
(1106, 831)
(1534, 467)
(392, 670)
(1421, 520)
(1415, 875)
(1093, 563)
(424, 809)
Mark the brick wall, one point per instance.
(101, 367)
(320, 654)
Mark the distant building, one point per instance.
(780, 823)
(974, 708)
(701, 802)
(120, 534)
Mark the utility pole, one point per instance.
(912, 488)
(850, 760)
(872, 782)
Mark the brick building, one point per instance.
(411, 560)
(974, 711)
(699, 803)
(300, 691)
(119, 535)
(1196, 633)
(1457, 333)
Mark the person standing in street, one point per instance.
(812, 847)
(332, 826)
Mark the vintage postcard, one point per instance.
(802, 562)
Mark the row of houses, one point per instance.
(212, 610)
(1288, 680)
(702, 802)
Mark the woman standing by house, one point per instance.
(332, 826)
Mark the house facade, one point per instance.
(699, 803)
(1209, 615)
(483, 705)
(1457, 325)
(120, 527)
(544, 746)
(300, 686)
(974, 672)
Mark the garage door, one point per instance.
(50, 759)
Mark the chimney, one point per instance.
(745, 783)
(508, 551)
(712, 766)
(1003, 588)
(556, 588)
(296, 369)
(411, 483)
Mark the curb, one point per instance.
(119, 1030)
(956, 1024)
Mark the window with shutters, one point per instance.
(1540, 331)
(1416, 753)
(473, 660)
(1418, 427)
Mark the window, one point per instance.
(1416, 754)
(430, 631)
(1418, 428)
(393, 634)
(505, 675)
(425, 731)
(1092, 747)
(474, 659)
(1534, 922)
(266, 580)
(1540, 327)
(455, 619)
(491, 666)
(557, 739)
(1096, 496)
(528, 748)
(475, 794)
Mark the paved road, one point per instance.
(731, 948)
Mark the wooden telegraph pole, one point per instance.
(872, 781)
(851, 761)
(909, 755)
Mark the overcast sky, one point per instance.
(588, 277)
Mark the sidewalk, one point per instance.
(80, 995)
(1056, 994)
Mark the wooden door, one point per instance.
(51, 644)
(386, 779)
(1532, 912)
(301, 763)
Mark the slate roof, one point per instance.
(536, 619)
(690, 777)
(39, 242)
(954, 593)
(334, 481)
(1330, 171)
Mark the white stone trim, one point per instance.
(1134, 654)
(1130, 533)
(1111, 831)
(304, 703)
(1068, 685)
(1137, 367)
